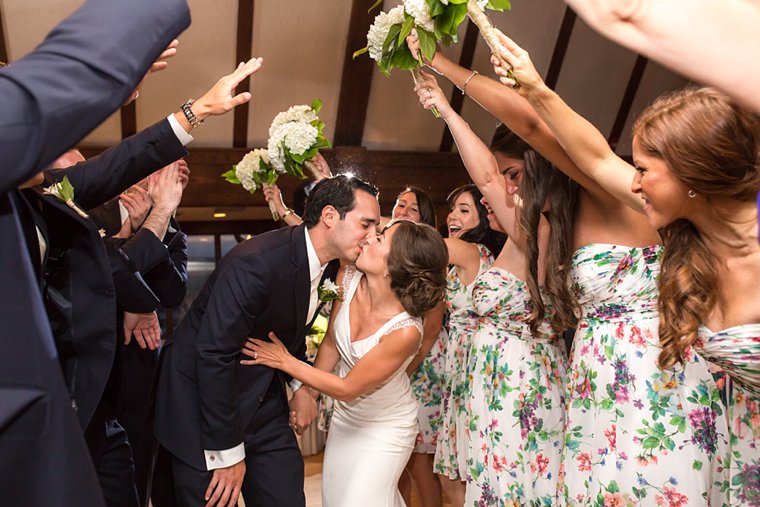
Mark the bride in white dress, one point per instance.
(375, 332)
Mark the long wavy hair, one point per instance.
(712, 146)
(543, 186)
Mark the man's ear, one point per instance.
(329, 216)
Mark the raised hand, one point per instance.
(165, 187)
(272, 194)
(158, 65)
(220, 99)
(144, 327)
(431, 96)
(272, 354)
(522, 67)
(138, 203)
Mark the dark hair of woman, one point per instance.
(712, 146)
(507, 142)
(424, 205)
(543, 186)
(338, 192)
(417, 265)
(482, 233)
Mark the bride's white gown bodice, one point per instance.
(371, 437)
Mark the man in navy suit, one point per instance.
(227, 425)
(52, 98)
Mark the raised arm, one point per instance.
(478, 160)
(83, 71)
(518, 115)
(585, 145)
(715, 44)
(371, 371)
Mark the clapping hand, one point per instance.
(522, 67)
(144, 327)
(137, 202)
(165, 187)
(431, 96)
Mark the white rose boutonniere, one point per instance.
(328, 291)
(64, 192)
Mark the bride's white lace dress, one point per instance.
(370, 438)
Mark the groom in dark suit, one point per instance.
(225, 424)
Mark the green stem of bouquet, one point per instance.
(416, 77)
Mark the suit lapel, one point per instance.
(301, 276)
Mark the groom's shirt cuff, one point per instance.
(295, 385)
(225, 458)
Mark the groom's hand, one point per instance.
(303, 410)
(224, 489)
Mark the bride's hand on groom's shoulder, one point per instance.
(273, 354)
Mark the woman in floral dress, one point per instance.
(469, 256)
(696, 178)
(517, 362)
(609, 456)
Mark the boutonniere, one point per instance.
(64, 192)
(328, 291)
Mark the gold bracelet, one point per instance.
(466, 81)
(288, 211)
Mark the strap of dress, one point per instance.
(402, 320)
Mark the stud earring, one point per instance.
(691, 194)
(385, 275)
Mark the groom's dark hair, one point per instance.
(337, 192)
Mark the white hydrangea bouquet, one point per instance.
(253, 171)
(434, 22)
(295, 137)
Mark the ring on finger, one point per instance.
(255, 355)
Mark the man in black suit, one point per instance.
(227, 424)
(74, 80)
(149, 267)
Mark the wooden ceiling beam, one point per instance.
(560, 47)
(356, 80)
(243, 53)
(128, 119)
(627, 101)
(457, 97)
(3, 44)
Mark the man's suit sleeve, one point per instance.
(132, 292)
(169, 279)
(240, 294)
(83, 71)
(105, 176)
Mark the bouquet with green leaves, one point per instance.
(295, 137)
(253, 171)
(434, 21)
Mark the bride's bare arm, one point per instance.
(372, 370)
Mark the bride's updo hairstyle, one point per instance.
(712, 146)
(417, 266)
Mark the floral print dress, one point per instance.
(517, 405)
(427, 385)
(634, 434)
(450, 455)
(735, 352)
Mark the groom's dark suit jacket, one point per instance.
(206, 399)
(52, 98)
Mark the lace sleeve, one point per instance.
(409, 321)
